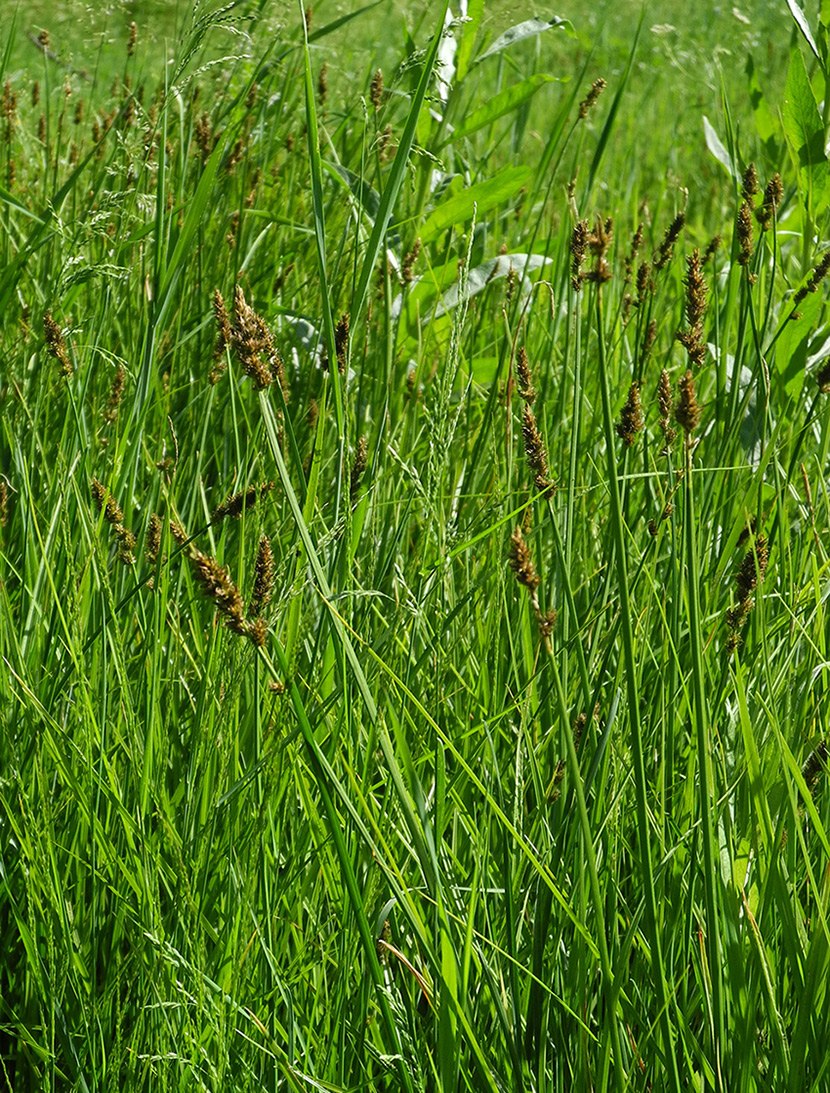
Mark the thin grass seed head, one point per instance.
(712, 248)
(633, 251)
(631, 417)
(820, 271)
(645, 284)
(251, 342)
(524, 377)
(263, 577)
(692, 339)
(56, 344)
(521, 562)
(132, 39)
(687, 412)
(672, 234)
(376, 90)
(116, 395)
(598, 243)
(341, 342)
(215, 583)
(358, 468)
(590, 100)
(152, 539)
(224, 337)
(578, 244)
(773, 194)
(744, 230)
(648, 342)
(749, 183)
(237, 503)
(537, 457)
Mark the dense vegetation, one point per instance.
(413, 565)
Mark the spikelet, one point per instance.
(631, 417)
(358, 468)
(263, 578)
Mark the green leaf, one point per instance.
(791, 350)
(802, 24)
(805, 133)
(483, 195)
(527, 29)
(499, 105)
(475, 10)
(764, 121)
(716, 147)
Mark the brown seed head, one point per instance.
(521, 562)
(341, 342)
(631, 417)
(323, 85)
(376, 91)
(666, 250)
(263, 577)
(251, 342)
(55, 344)
(537, 458)
(116, 395)
(152, 539)
(744, 230)
(687, 413)
(578, 244)
(237, 503)
(749, 187)
(645, 284)
(358, 468)
(587, 104)
(773, 194)
(524, 377)
(132, 39)
(217, 585)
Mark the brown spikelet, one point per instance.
(773, 194)
(749, 576)
(692, 338)
(712, 248)
(648, 341)
(132, 39)
(35, 94)
(358, 468)
(215, 583)
(645, 284)
(749, 186)
(599, 241)
(631, 417)
(341, 342)
(116, 395)
(672, 234)
(237, 503)
(578, 245)
(744, 230)
(323, 85)
(816, 277)
(106, 503)
(687, 412)
(251, 341)
(152, 539)
(376, 91)
(56, 345)
(524, 377)
(521, 562)
(263, 577)
(633, 251)
(588, 103)
(537, 458)
(257, 632)
(224, 337)
(409, 262)
(178, 533)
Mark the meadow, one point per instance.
(413, 549)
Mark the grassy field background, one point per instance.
(413, 549)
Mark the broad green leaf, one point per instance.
(499, 105)
(475, 10)
(483, 196)
(764, 121)
(527, 29)
(791, 350)
(805, 133)
(716, 147)
(802, 24)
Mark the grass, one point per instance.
(413, 560)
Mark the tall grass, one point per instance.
(412, 573)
